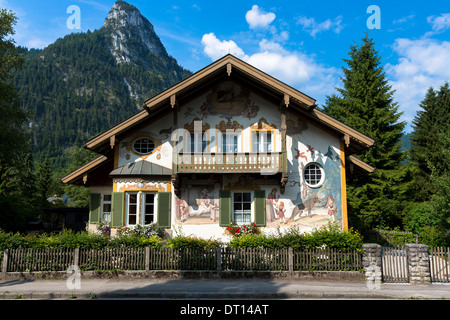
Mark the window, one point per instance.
(262, 141)
(197, 142)
(144, 146)
(106, 208)
(140, 208)
(229, 142)
(149, 208)
(132, 210)
(242, 207)
(314, 175)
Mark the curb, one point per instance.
(192, 295)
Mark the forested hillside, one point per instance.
(84, 83)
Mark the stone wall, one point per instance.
(417, 259)
(418, 263)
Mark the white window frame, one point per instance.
(143, 212)
(143, 153)
(230, 148)
(260, 141)
(140, 207)
(252, 218)
(322, 173)
(103, 206)
(197, 143)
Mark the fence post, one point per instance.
(418, 263)
(372, 265)
(147, 260)
(291, 259)
(219, 259)
(5, 263)
(76, 257)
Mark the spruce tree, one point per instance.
(13, 119)
(44, 181)
(430, 122)
(366, 103)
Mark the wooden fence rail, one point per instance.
(210, 259)
(395, 264)
(440, 264)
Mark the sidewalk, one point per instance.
(215, 289)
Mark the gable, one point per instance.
(228, 94)
(228, 68)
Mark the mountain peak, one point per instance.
(129, 28)
(124, 14)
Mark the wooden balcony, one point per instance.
(264, 163)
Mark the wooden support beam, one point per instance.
(112, 141)
(85, 178)
(347, 140)
(173, 101)
(284, 175)
(229, 68)
(286, 100)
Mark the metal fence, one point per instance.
(209, 259)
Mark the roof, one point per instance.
(357, 166)
(79, 176)
(162, 103)
(140, 168)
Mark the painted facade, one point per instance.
(229, 152)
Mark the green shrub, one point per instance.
(332, 237)
(136, 242)
(181, 241)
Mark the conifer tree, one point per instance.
(366, 103)
(13, 137)
(44, 180)
(430, 122)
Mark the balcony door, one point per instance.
(262, 141)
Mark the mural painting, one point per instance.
(301, 205)
(227, 100)
(198, 204)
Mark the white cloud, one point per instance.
(439, 23)
(404, 19)
(295, 68)
(215, 49)
(259, 19)
(422, 64)
(312, 27)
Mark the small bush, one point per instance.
(238, 230)
(181, 241)
(143, 231)
(333, 237)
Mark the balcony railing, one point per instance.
(264, 163)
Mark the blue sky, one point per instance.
(302, 43)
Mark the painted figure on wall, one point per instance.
(228, 100)
(198, 204)
(331, 208)
(271, 205)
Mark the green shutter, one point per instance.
(225, 216)
(260, 208)
(164, 199)
(117, 209)
(95, 205)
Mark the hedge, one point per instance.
(332, 237)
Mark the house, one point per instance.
(228, 144)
